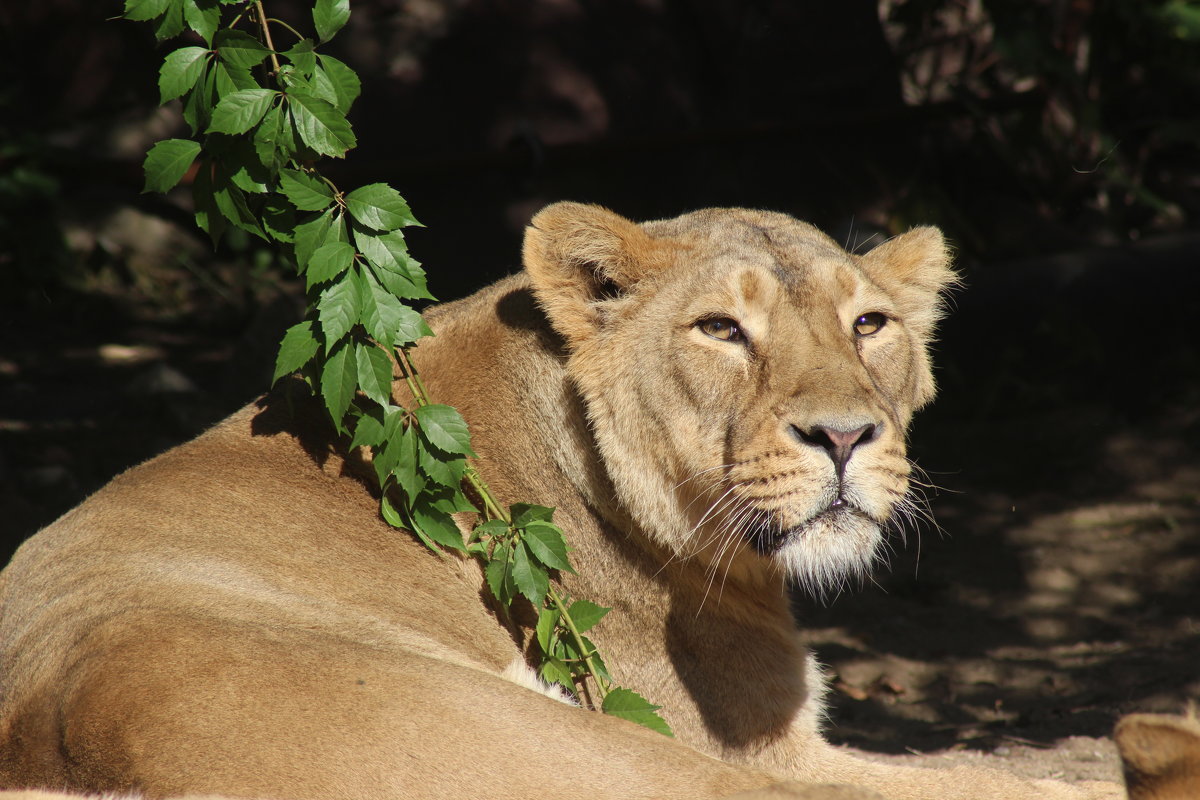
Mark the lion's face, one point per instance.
(749, 382)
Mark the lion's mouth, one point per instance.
(766, 533)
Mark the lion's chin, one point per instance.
(821, 555)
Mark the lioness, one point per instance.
(714, 404)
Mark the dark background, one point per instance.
(1055, 142)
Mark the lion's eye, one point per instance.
(722, 328)
(869, 323)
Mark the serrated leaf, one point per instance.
(329, 16)
(144, 10)
(445, 428)
(167, 163)
(170, 24)
(380, 207)
(240, 111)
(247, 173)
(387, 253)
(391, 515)
(239, 49)
(342, 82)
(306, 192)
(202, 16)
(182, 69)
(374, 373)
(267, 145)
(368, 430)
(555, 671)
(298, 347)
(547, 544)
(338, 380)
(547, 620)
(498, 574)
(439, 469)
(208, 217)
(197, 103)
(490, 529)
(387, 320)
(531, 579)
(524, 513)
(328, 262)
(310, 235)
(320, 125)
(278, 219)
(404, 467)
(628, 704)
(231, 202)
(302, 56)
(338, 309)
(228, 79)
(437, 525)
(585, 614)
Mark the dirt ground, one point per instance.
(1057, 590)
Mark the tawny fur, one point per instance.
(232, 617)
(1161, 756)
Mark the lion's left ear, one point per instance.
(914, 269)
(579, 255)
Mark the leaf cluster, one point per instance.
(260, 119)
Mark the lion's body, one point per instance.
(233, 618)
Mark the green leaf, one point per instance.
(167, 163)
(498, 574)
(445, 428)
(490, 529)
(321, 126)
(368, 430)
(338, 381)
(555, 671)
(338, 309)
(231, 202)
(532, 581)
(239, 49)
(144, 10)
(387, 320)
(239, 112)
(311, 235)
(547, 620)
(208, 217)
(628, 704)
(444, 471)
(278, 218)
(374, 373)
(170, 24)
(229, 79)
(237, 152)
(298, 347)
(181, 70)
(336, 82)
(524, 513)
(404, 467)
(329, 16)
(202, 16)
(437, 525)
(268, 140)
(392, 516)
(306, 192)
(387, 253)
(379, 206)
(547, 543)
(198, 103)
(585, 614)
(302, 56)
(328, 262)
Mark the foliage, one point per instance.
(260, 118)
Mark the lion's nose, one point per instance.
(839, 444)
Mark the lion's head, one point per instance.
(748, 382)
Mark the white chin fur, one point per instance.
(829, 551)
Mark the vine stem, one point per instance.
(266, 29)
(492, 509)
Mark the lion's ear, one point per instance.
(914, 268)
(579, 255)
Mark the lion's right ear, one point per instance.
(580, 255)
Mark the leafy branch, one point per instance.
(257, 133)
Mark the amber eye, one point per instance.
(722, 328)
(869, 323)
